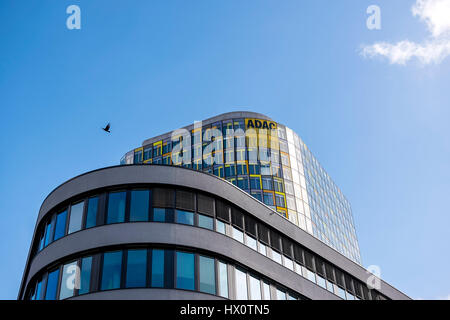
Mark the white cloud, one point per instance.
(436, 15)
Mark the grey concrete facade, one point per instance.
(188, 236)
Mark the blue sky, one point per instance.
(380, 129)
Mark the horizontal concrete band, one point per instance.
(147, 294)
(178, 176)
(180, 236)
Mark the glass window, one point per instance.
(136, 268)
(116, 207)
(76, 217)
(37, 294)
(112, 266)
(257, 195)
(276, 256)
(251, 242)
(207, 275)
(220, 226)
(185, 271)
(267, 183)
(139, 205)
(242, 183)
(69, 281)
(241, 284)
(321, 281)
(262, 248)
(266, 290)
(91, 215)
(185, 217)
(238, 235)
(279, 199)
(281, 295)
(205, 222)
(85, 281)
(157, 268)
(268, 199)
(223, 280)
(52, 285)
(255, 183)
(288, 263)
(255, 288)
(159, 214)
(60, 228)
(48, 233)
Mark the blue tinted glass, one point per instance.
(116, 207)
(207, 275)
(205, 222)
(85, 281)
(255, 183)
(48, 233)
(185, 217)
(136, 268)
(52, 285)
(157, 268)
(185, 271)
(91, 216)
(60, 228)
(139, 205)
(159, 214)
(37, 295)
(112, 266)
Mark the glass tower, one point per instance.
(267, 160)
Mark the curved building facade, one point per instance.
(168, 232)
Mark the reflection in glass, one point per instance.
(207, 275)
(76, 217)
(116, 207)
(157, 268)
(139, 205)
(185, 271)
(136, 268)
(111, 272)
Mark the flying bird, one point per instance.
(107, 128)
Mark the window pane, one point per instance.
(205, 222)
(185, 217)
(241, 284)
(52, 285)
(207, 275)
(157, 268)
(255, 288)
(37, 295)
(223, 280)
(69, 280)
(281, 295)
(112, 267)
(159, 214)
(238, 235)
(266, 290)
(76, 217)
(262, 249)
(220, 226)
(251, 242)
(91, 215)
(48, 233)
(136, 268)
(185, 271)
(276, 256)
(85, 281)
(116, 207)
(139, 205)
(60, 228)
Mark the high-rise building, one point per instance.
(232, 207)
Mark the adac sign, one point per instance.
(260, 124)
